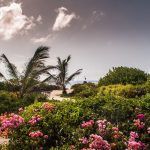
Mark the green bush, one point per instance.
(128, 91)
(84, 90)
(9, 101)
(124, 75)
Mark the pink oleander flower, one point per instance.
(88, 149)
(133, 145)
(134, 135)
(45, 136)
(11, 121)
(148, 130)
(36, 134)
(102, 124)
(35, 119)
(47, 106)
(115, 129)
(141, 117)
(41, 148)
(138, 123)
(87, 124)
(98, 142)
(84, 140)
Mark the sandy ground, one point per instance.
(56, 95)
(2, 140)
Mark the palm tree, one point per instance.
(62, 79)
(29, 79)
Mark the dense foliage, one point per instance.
(128, 91)
(124, 75)
(84, 90)
(64, 125)
(9, 101)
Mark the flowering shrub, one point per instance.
(47, 106)
(102, 135)
(75, 125)
(11, 121)
(87, 124)
(35, 119)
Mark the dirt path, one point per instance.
(56, 95)
(2, 140)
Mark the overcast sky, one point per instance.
(99, 34)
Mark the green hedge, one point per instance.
(128, 91)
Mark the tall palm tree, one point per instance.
(29, 79)
(62, 79)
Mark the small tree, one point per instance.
(124, 75)
(62, 79)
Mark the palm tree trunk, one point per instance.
(64, 92)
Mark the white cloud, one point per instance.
(39, 19)
(63, 19)
(13, 21)
(41, 39)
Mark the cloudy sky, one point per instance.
(99, 34)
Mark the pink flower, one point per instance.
(45, 136)
(148, 130)
(47, 106)
(35, 134)
(41, 148)
(87, 124)
(84, 140)
(141, 116)
(35, 119)
(139, 124)
(98, 142)
(133, 145)
(11, 121)
(102, 124)
(115, 129)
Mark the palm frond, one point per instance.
(42, 71)
(37, 61)
(68, 58)
(2, 76)
(73, 75)
(11, 68)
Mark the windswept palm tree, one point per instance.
(62, 79)
(29, 79)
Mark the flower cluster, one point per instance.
(102, 124)
(37, 134)
(97, 142)
(132, 143)
(47, 106)
(11, 121)
(141, 117)
(84, 140)
(138, 123)
(87, 124)
(35, 119)
(148, 130)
